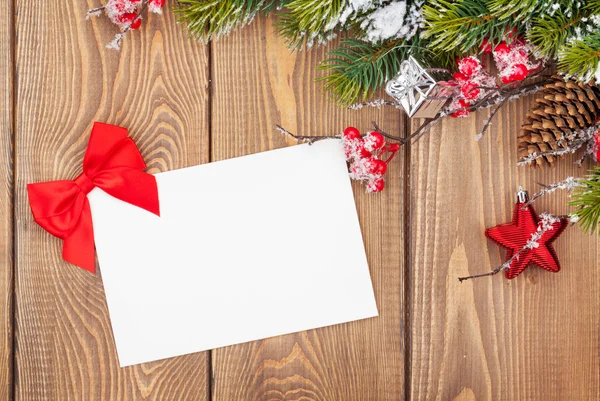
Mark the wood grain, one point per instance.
(535, 337)
(6, 196)
(258, 83)
(157, 87)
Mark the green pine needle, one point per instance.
(307, 21)
(523, 11)
(357, 69)
(580, 58)
(587, 200)
(550, 34)
(462, 24)
(206, 19)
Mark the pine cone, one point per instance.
(565, 106)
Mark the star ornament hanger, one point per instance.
(527, 239)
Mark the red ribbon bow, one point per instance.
(112, 163)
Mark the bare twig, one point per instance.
(385, 134)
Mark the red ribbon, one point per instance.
(112, 163)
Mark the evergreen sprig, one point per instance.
(462, 24)
(357, 68)
(564, 31)
(581, 57)
(208, 19)
(308, 21)
(587, 201)
(549, 35)
(524, 11)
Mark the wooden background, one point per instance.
(533, 338)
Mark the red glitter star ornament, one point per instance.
(517, 236)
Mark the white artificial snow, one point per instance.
(393, 21)
(354, 7)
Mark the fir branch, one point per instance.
(357, 69)
(587, 201)
(208, 19)
(307, 21)
(580, 58)
(462, 24)
(592, 7)
(549, 35)
(567, 184)
(524, 11)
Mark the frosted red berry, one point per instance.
(376, 185)
(462, 105)
(351, 133)
(362, 151)
(130, 18)
(459, 76)
(469, 66)
(501, 49)
(136, 24)
(470, 91)
(374, 141)
(375, 166)
(519, 72)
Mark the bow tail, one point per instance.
(78, 247)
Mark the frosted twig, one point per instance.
(499, 97)
(567, 184)
(546, 223)
(589, 151)
(375, 103)
(94, 12)
(303, 138)
(488, 122)
(313, 138)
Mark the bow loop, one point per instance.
(112, 163)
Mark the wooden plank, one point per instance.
(535, 337)
(6, 197)
(258, 83)
(157, 87)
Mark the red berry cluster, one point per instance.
(126, 13)
(513, 60)
(597, 147)
(364, 153)
(470, 79)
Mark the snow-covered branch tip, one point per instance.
(567, 184)
(304, 138)
(375, 103)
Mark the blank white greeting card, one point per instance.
(244, 249)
